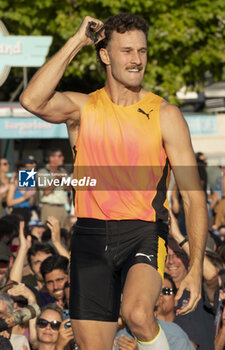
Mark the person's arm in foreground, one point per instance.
(21, 289)
(177, 143)
(16, 272)
(210, 272)
(40, 96)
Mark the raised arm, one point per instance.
(16, 272)
(54, 225)
(210, 272)
(177, 143)
(40, 96)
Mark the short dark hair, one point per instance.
(120, 23)
(169, 278)
(51, 152)
(55, 262)
(39, 247)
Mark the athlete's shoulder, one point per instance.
(170, 113)
(172, 121)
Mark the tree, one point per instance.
(186, 38)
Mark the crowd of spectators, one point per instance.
(35, 233)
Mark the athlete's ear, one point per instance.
(104, 55)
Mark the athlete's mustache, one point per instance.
(139, 67)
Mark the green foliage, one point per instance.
(186, 37)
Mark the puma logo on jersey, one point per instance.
(143, 112)
(147, 256)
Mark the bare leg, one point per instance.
(94, 335)
(141, 290)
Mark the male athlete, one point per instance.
(119, 243)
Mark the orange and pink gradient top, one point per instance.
(121, 147)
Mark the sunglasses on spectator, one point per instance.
(14, 248)
(42, 323)
(167, 291)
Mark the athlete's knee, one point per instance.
(138, 315)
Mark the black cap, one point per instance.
(29, 160)
(5, 252)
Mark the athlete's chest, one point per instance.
(135, 129)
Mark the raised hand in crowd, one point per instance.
(65, 336)
(16, 272)
(21, 289)
(54, 225)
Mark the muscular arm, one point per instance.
(177, 143)
(40, 96)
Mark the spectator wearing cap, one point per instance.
(218, 198)
(6, 262)
(199, 324)
(29, 162)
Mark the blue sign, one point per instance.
(30, 128)
(206, 124)
(27, 178)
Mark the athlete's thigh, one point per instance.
(142, 287)
(94, 335)
(144, 272)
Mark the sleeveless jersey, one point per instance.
(121, 147)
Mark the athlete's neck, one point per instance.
(124, 96)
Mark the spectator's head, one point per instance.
(177, 262)
(6, 307)
(6, 261)
(55, 157)
(120, 23)
(29, 162)
(48, 324)
(54, 271)
(4, 166)
(36, 228)
(37, 253)
(166, 302)
(200, 158)
(6, 304)
(9, 226)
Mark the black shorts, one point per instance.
(101, 254)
